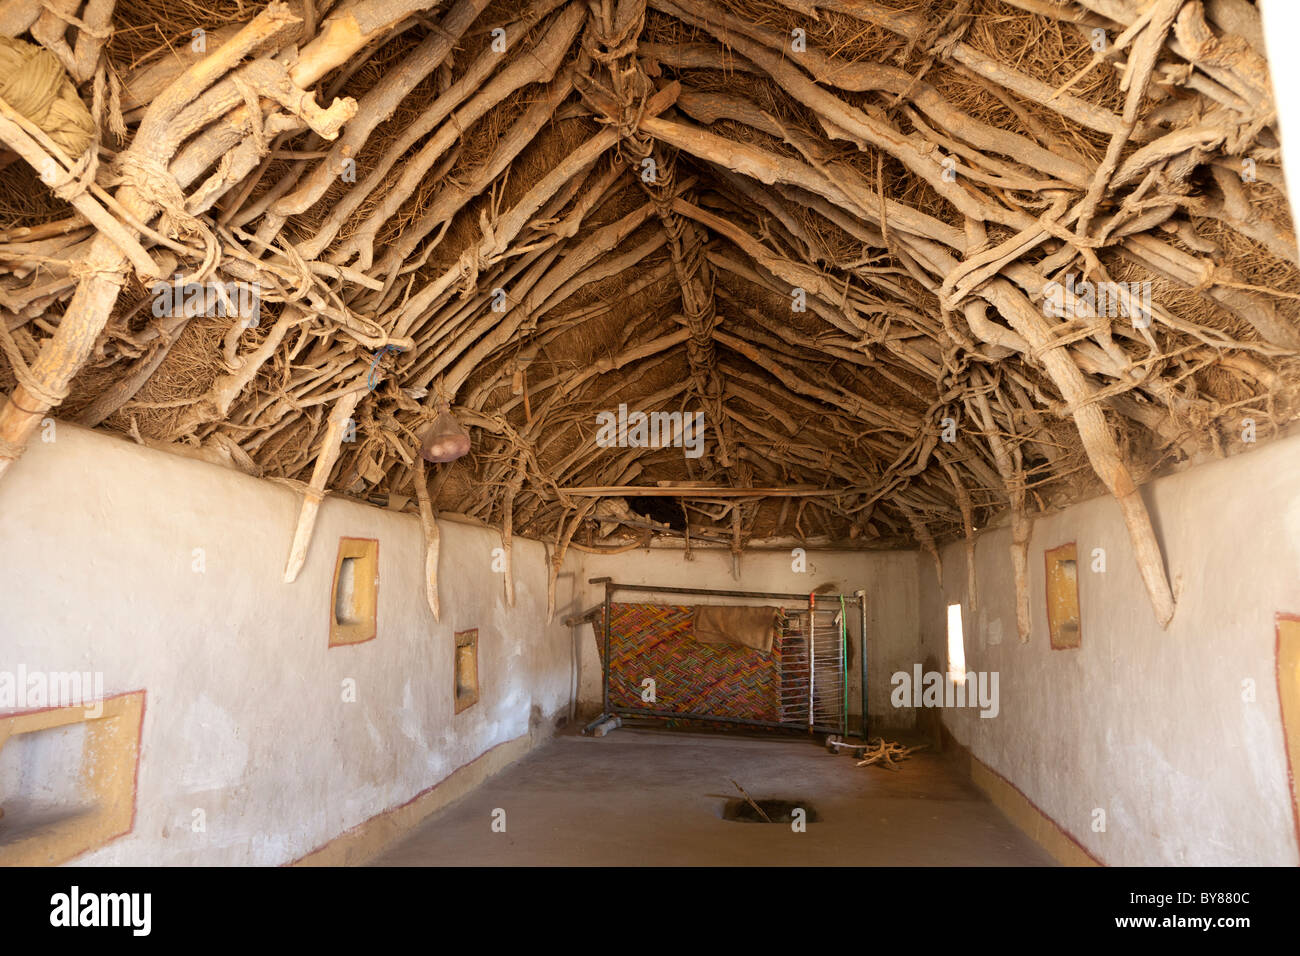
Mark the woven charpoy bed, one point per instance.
(655, 665)
(691, 677)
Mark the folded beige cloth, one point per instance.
(725, 624)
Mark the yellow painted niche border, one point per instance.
(1064, 622)
(365, 592)
(110, 764)
(465, 670)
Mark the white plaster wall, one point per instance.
(1281, 22)
(889, 578)
(1148, 725)
(244, 716)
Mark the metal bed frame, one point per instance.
(810, 601)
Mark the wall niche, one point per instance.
(354, 598)
(1063, 624)
(466, 688)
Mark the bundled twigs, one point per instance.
(886, 753)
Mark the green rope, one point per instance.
(844, 663)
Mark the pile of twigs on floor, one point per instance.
(886, 753)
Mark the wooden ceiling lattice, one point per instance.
(919, 263)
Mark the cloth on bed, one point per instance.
(728, 624)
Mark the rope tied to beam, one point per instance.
(621, 103)
(86, 270)
(1063, 335)
(474, 260)
(155, 183)
(1212, 275)
(47, 394)
(1068, 409)
(694, 277)
(470, 264)
(70, 183)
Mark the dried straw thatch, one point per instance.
(863, 237)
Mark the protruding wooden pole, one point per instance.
(431, 539)
(1098, 440)
(561, 547)
(508, 527)
(1020, 526)
(968, 529)
(331, 446)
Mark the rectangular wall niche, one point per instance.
(466, 669)
(354, 599)
(1063, 597)
(68, 779)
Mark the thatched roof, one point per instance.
(863, 238)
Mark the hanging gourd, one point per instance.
(446, 440)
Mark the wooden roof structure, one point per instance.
(920, 264)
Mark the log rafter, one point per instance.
(856, 219)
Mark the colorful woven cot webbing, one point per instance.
(654, 641)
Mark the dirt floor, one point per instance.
(656, 798)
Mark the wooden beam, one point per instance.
(705, 491)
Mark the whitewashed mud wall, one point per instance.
(889, 578)
(245, 718)
(1149, 726)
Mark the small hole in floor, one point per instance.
(779, 811)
